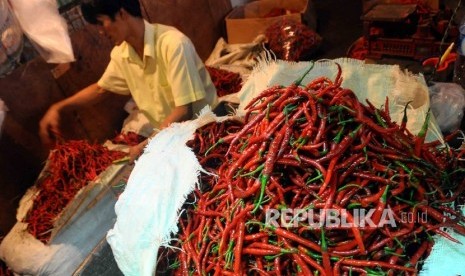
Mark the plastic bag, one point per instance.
(136, 122)
(447, 105)
(239, 58)
(11, 39)
(43, 25)
(292, 41)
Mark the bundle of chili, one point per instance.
(317, 148)
(70, 167)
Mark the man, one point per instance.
(156, 64)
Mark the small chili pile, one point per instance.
(70, 167)
(226, 82)
(316, 148)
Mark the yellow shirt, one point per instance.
(171, 74)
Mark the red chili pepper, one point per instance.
(238, 248)
(365, 263)
(418, 254)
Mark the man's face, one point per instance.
(115, 30)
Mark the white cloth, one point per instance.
(147, 210)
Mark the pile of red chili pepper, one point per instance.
(292, 41)
(70, 167)
(226, 82)
(316, 147)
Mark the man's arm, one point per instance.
(90, 95)
(179, 114)
(49, 126)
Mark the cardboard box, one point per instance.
(245, 23)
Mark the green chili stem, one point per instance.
(259, 168)
(404, 118)
(349, 185)
(424, 128)
(221, 140)
(263, 181)
(299, 81)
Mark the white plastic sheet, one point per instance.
(11, 39)
(239, 58)
(136, 121)
(447, 105)
(43, 25)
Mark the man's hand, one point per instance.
(179, 114)
(49, 126)
(136, 151)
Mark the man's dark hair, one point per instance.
(91, 9)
